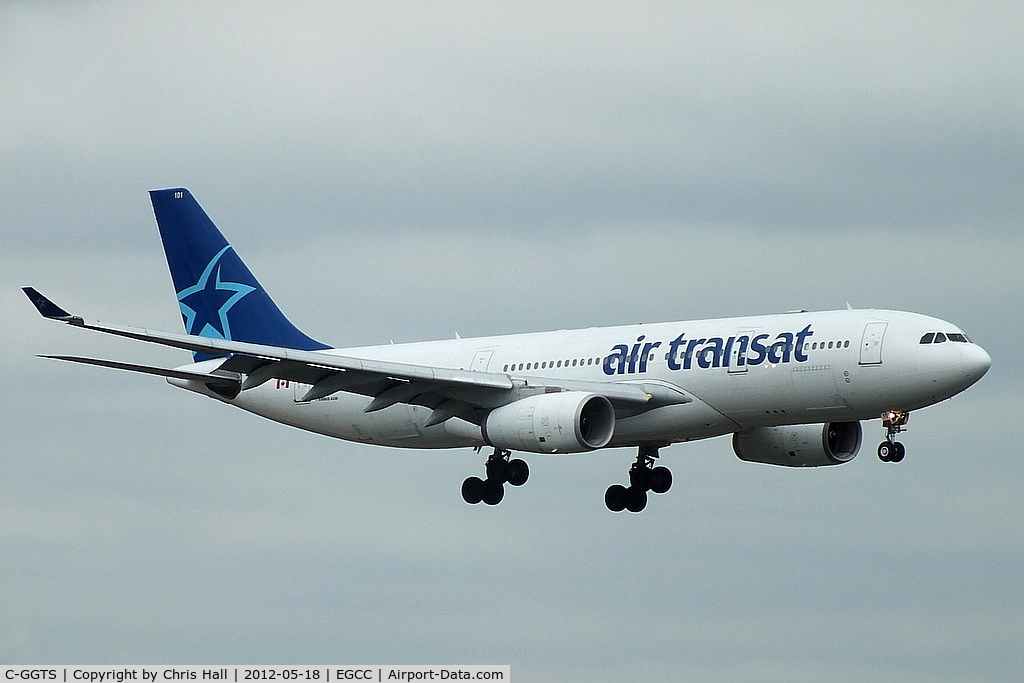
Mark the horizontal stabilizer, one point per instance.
(216, 378)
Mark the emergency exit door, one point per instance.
(481, 360)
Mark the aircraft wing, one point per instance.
(448, 392)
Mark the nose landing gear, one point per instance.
(892, 450)
(643, 477)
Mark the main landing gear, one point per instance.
(499, 471)
(892, 450)
(643, 477)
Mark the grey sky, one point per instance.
(404, 172)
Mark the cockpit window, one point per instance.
(939, 337)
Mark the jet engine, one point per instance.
(808, 445)
(563, 422)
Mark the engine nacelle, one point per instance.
(563, 422)
(810, 445)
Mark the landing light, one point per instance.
(895, 418)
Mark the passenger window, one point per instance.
(939, 337)
(928, 338)
(846, 344)
(830, 345)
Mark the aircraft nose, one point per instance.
(976, 362)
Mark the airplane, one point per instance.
(791, 388)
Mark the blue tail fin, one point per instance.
(217, 294)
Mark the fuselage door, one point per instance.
(481, 360)
(871, 343)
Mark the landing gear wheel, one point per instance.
(518, 472)
(493, 492)
(636, 499)
(885, 451)
(473, 490)
(615, 497)
(891, 451)
(660, 479)
(899, 452)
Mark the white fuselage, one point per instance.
(741, 373)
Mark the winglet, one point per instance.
(47, 308)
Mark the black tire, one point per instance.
(885, 451)
(473, 490)
(494, 491)
(636, 499)
(518, 472)
(615, 498)
(660, 479)
(899, 452)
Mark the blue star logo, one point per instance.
(211, 298)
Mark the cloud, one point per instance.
(455, 115)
